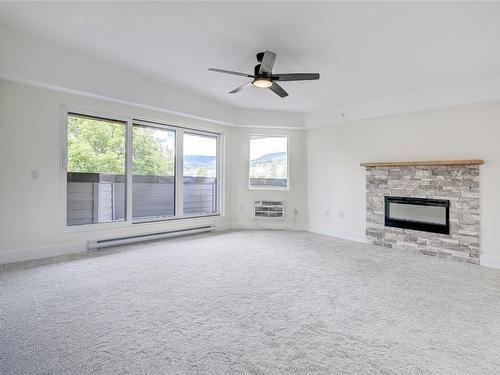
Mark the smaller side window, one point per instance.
(268, 162)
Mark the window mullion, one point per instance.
(219, 173)
(179, 173)
(129, 172)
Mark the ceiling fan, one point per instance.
(263, 76)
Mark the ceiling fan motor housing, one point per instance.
(256, 72)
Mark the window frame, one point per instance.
(129, 121)
(176, 211)
(288, 169)
(217, 172)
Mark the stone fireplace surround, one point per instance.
(456, 181)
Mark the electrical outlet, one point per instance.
(295, 212)
(341, 214)
(35, 173)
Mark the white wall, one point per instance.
(242, 197)
(336, 181)
(31, 223)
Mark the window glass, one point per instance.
(95, 170)
(153, 177)
(268, 161)
(200, 174)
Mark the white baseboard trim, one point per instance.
(346, 235)
(34, 253)
(489, 261)
(268, 224)
(222, 226)
(21, 255)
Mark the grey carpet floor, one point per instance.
(250, 302)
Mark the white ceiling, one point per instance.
(363, 51)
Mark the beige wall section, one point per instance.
(336, 184)
(242, 197)
(30, 219)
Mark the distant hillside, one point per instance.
(272, 165)
(199, 159)
(200, 165)
(271, 157)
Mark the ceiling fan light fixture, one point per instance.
(263, 83)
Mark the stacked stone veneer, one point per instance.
(459, 184)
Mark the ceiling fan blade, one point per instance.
(231, 72)
(266, 66)
(238, 89)
(295, 76)
(277, 89)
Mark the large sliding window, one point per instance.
(137, 171)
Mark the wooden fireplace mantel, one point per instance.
(423, 163)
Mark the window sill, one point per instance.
(173, 218)
(269, 188)
(127, 224)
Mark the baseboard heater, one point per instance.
(93, 245)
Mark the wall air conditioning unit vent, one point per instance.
(268, 209)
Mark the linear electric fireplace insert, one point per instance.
(429, 215)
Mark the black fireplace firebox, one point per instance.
(429, 215)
